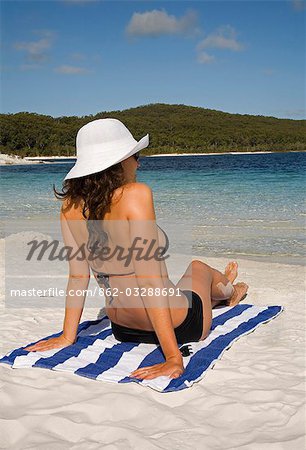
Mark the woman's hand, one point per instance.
(173, 368)
(49, 344)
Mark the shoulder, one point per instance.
(138, 201)
(139, 190)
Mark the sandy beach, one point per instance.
(135, 102)
(201, 154)
(254, 398)
(16, 160)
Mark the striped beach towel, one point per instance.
(98, 355)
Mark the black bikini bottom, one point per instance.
(190, 330)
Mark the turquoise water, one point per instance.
(239, 206)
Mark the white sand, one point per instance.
(7, 159)
(16, 160)
(201, 154)
(254, 398)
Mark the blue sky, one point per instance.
(79, 57)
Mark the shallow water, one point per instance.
(239, 206)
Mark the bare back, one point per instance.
(127, 309)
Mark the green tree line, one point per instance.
(172, 129)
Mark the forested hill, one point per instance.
(172, 129)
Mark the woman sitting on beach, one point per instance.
(101, 193)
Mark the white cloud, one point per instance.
(156, 23)
(71, 70)
(225, 37)
(205, 58)
(36, 51)
(298, 5)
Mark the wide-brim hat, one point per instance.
(102, 143)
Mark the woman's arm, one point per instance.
(149, 273)
(79, 275)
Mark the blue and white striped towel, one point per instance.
(98, 355)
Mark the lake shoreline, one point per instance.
(6, 160)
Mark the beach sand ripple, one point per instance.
(254, 398)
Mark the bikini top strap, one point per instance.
(130, 273)
(111, 274)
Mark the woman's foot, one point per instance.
(240, 290)
(231, 271)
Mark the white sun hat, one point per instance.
(101, 144)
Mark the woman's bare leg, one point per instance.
(205, 281)
(222, 287)
(223, 284)
(198, 278)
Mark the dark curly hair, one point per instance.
(96, 192)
